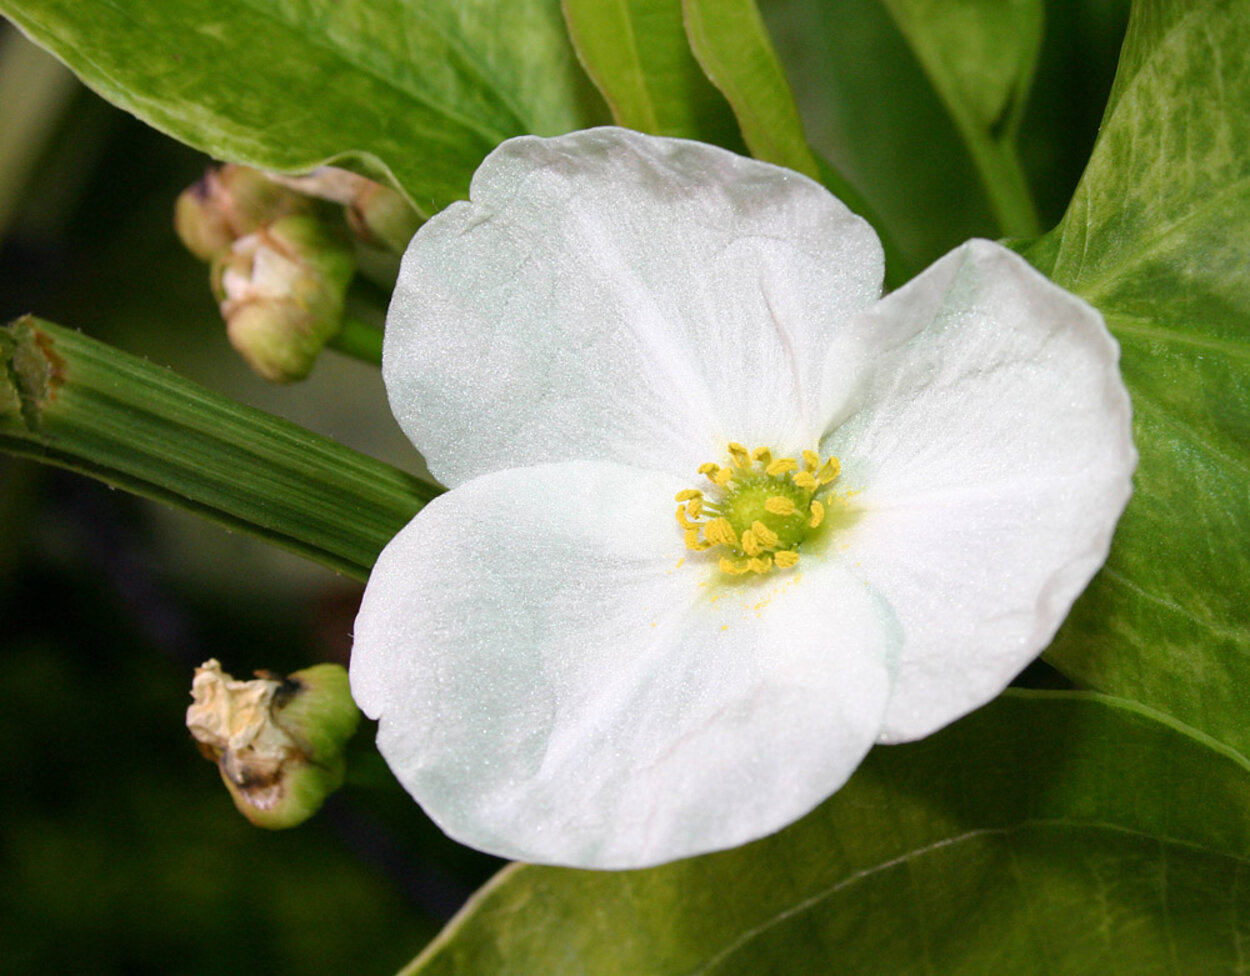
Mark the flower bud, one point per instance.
(277, 742)
(281, 291)
(228, 203)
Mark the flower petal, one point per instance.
(992, 442)
(552, 686)
(613, 296)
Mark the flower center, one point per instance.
(759, 509)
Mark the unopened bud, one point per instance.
(281, 291)
(228, 203)
(277, 742)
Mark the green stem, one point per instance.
(1006, 186)
(359, 339)
(71, 401)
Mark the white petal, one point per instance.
(613, 296)
(993, 447)
(553, 687)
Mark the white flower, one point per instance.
(558, 677)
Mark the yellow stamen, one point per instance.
(691, 538)
(763, 455)
(779, 505)
(786, 558)
(781, 466)
(720, 533)
(805, 480)
(811, 460)
(684, 522)
(831, 469)
(818, 514)
(708, 468)
(688, 494)
(750, 544)
(768, 538)
(761, 564)
(722, 476)
(733, 567)
(739, 453)
(695, 506)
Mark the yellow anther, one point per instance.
(818, 514)
(733, 567)
(829, 471)
(811, 460)
(695, 506)
(760, 564)
(781, 466)
(763, 455)
(693, 542)
(806, 480)
(708, 468)
(739, 453)
(786, 558)
(720, 533)
(767, 537)
(684, 522)
(750, 544)
(723, 476)
(779, 505)
(688, 494)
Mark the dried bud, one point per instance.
(380, 216)
(281, 291)
(231, 202)
(278, 743)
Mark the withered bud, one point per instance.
(230, 202)
(277, 742)
(281, 291)
(379, 215)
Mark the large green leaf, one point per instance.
(419, 89)
(1048, 833)
(637, 53)
(1158, 237)
(980, 56)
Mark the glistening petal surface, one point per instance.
(553, 687)
(993, 447)
(612, 296)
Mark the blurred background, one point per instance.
(120, 851)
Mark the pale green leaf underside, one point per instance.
(1158, 237)
(637, 53)
(1047, 833)
(421, 89)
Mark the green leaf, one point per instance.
(1047, 833)
(419, 89)
(1158, 238)
(637, 54)
(72, 401)
(869, 109)
(731, 43)
(980, 56)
